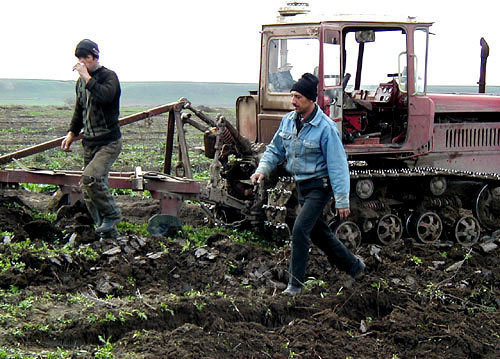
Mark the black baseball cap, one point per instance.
(87, 47)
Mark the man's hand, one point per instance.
(257, 178)
(82, 71)
(343, 213)
(67, 141)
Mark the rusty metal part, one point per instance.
(485, 52)
(186, 118)
(375, 205)
(467, 231)
(171, 191)
(487, 207)
(364, 188)
(230, 134)
(243, 145)
(440, 202)
(389, 229)
(183, 148)
(427, 227)
(277, 200)
(348, 232)
(437, 185)
(216, 165)
(205, 118)
(169, 143)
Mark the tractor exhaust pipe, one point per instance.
(485, 51)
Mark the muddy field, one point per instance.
(66, 294)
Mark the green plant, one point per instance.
(140, 314)
(87, 253)
(40, 188)
(109, 317)
(165, 308)
(106, 351)
(122, 315)
(193, 293)
(6, 234)
(123, 191)
(44, 328)
(232, 268)
(199, 305)
(163, 247)
(139, 229)
(9, 354)
(416, 260)
(51, 217)
(312, 282)
(58, 354)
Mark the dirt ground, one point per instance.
(66, 294)
(154, 297)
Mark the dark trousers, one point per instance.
(309, 226)
(98, 161)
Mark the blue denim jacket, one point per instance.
(316, 152)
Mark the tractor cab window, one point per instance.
(288, 60)
(375, 108)
(420, 49)
(373, 57)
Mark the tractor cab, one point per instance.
(372, 81)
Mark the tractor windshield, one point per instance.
(289, 59)
(382, 54)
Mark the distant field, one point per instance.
(51, 92)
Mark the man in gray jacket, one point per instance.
(96, 111)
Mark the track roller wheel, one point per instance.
(487, 207)
(348, 233)
(437, 185)
(389, 229)
(364, 188)
(467, 231)
(427, 227)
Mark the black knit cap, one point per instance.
(307, 86)
(87, 47)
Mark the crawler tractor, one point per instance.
(422, 165)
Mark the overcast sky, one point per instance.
(218, 40)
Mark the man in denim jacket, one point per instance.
(310, 144)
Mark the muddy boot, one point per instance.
(107, 225)
(358, 270)
(110, 234)
(292, 290)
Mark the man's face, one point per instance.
(89, 61)
(301, 104)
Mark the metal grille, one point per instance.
(472, 137)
